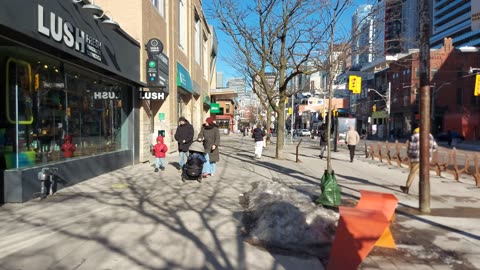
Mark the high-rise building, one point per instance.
(453, 19)
(238, 84)
(219, 80)
(363, 36)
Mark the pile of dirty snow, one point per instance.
(281, 217)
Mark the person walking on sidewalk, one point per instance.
(413, 153)
(322, 134)
(159, 150)
(352, 139)
(210, 136)
(258, 134)
(184, 137)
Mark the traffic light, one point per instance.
(335, 113)
(476, 92)
(374, 108)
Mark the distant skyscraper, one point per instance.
(410, 25)
(363, 36)
(453, 19)
(219, 79)
(237, 83)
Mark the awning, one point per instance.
(206, 99)
(183, 78)
(380, 114)
(197, 90)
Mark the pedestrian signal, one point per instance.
(476, 92)
(355, 84)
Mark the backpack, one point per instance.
(193, 167)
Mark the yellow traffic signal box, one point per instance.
(476, 92)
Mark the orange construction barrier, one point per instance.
(362, 227)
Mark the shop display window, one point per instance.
(44, 100)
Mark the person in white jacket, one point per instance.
(352, 139)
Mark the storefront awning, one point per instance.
(380, 114)
(183, 78)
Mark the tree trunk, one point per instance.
(269, 123)
(280, 128)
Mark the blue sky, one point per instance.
(225, 49)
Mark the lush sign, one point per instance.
(63, 31)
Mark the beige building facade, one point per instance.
(189, 50)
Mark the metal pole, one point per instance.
(389, 90)
(424, 185)
(291, 118)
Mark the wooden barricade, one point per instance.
(379, 148)
(453, 167)
(476, 171)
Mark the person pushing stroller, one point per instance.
(192, 170)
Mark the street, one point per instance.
(134, 218)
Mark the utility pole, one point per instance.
(424, 185)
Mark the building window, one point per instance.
(161, 7)
(206, 65)
(182, 25)
(198, 40)
(93, 111)
(227, 108)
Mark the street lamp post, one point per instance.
(387, 99)
(434, 96)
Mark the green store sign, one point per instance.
(215, 108)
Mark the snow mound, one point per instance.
(281, 217)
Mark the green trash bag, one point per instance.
(330, 191)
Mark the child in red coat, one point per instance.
(160, 150)
(68, 147)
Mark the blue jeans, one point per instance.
(209, 167)
(160, 163)
(183, 158)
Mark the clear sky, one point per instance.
(225, 49)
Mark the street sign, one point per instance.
(152, 72)
(161, 116)
(477, 85)
(154, 46)
(355, 84)
(215, 108)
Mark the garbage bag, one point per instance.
(330, 192)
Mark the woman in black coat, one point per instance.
(210, 135)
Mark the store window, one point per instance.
(223, 123)
(46, 100)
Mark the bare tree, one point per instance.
(272, 36)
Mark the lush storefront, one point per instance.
(63, 72)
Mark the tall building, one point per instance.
(188, 57)
(363, 36)
(219, 80)
(410, 25)
(237, 83)
(453, 19)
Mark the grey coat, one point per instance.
(210, 136)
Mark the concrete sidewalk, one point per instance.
(135, 218)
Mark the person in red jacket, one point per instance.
(68, 147)
(159, 150)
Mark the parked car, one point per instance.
(443, 137)
(304, 132)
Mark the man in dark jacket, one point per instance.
(184, 137)
(322, 133)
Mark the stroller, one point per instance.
(192, 170)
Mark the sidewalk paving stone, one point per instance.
(134, 218)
